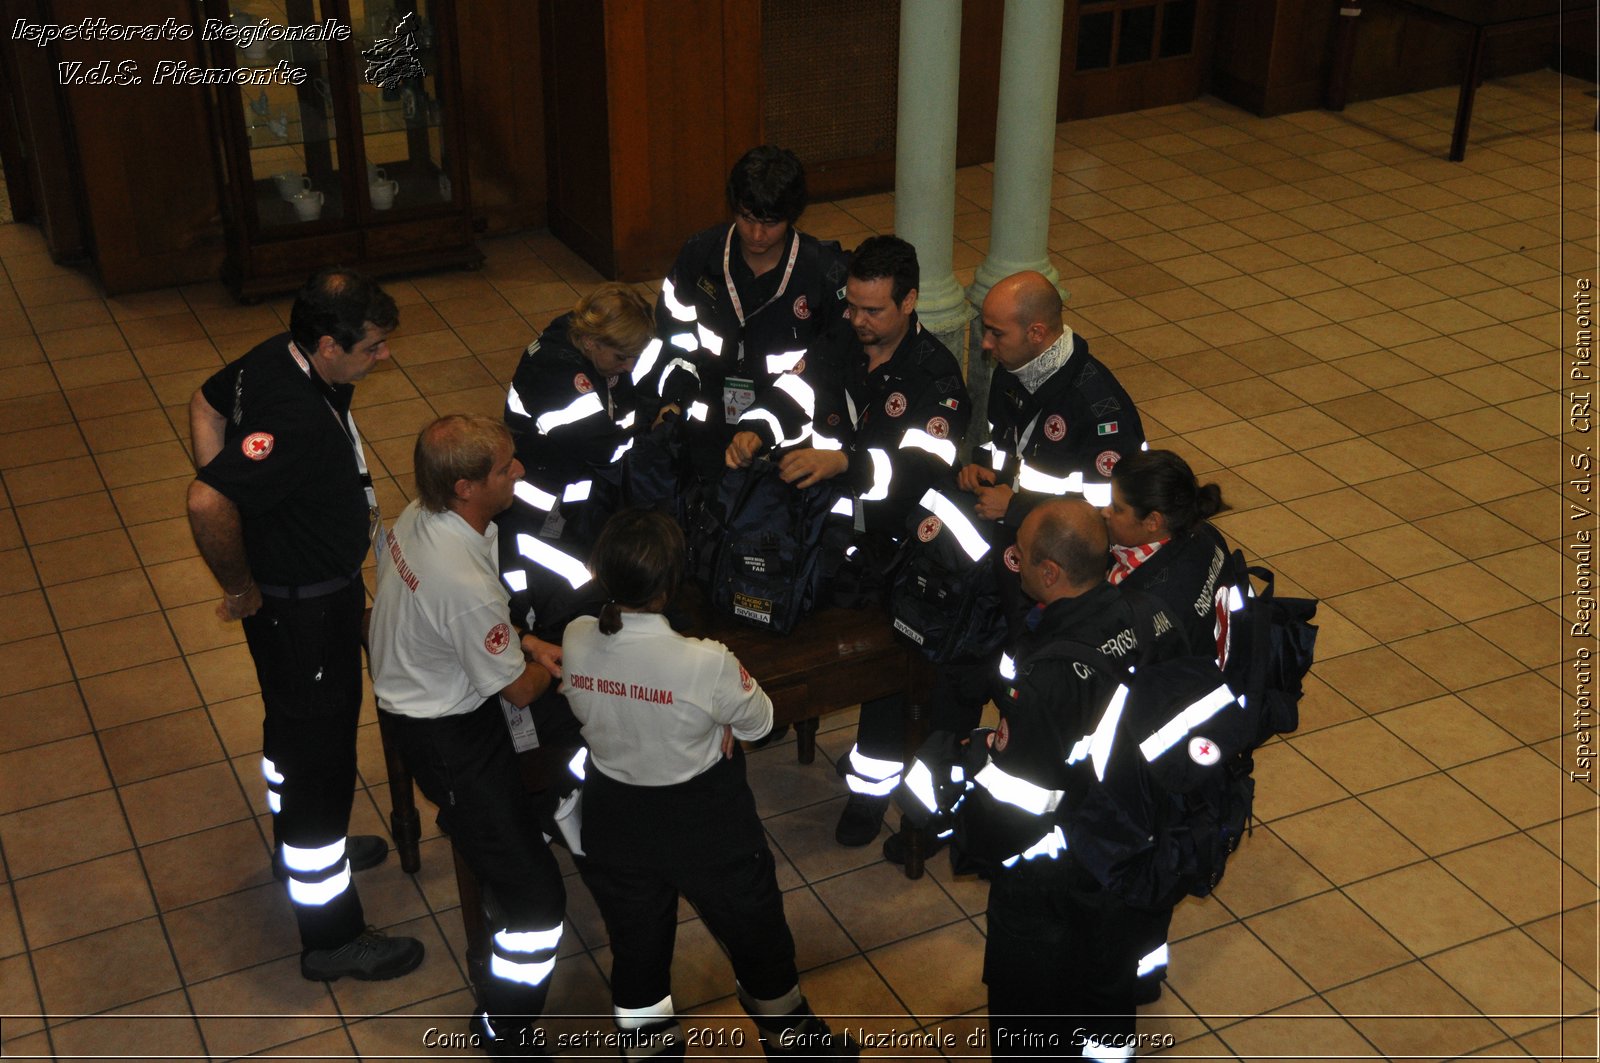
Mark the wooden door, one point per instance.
(1124, 55)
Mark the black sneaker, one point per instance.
(372, 957)
(861, 820)
(363, 850)
(897, 846)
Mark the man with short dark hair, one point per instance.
(444, 656)
(887, 404)
(744, 301)
(283, 511)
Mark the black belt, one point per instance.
(308, 590)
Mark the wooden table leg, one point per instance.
(472, 921)
(1469, 89)
(919, 684)
(805, 740)
(404, 822)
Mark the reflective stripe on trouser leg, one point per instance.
(871, 776)
(648, 1031)
(316, 876)
(274, 777)
(524, 956)
(1093, 1049)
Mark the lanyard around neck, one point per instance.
(733, 290)
(347, 425)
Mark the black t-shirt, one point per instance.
(290, 467)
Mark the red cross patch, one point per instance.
(928, 529)
(1055, 427)
(745, 681)
(1105, 461)
(1002, 735)
(939, 428)
(1204, 751)
(1012, 559)
(257, 445)
(583, 384)
(895, 404)
(498, 638)
(801, 309)
(800, 366)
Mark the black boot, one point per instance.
(800, 1034)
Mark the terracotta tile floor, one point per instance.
(1355, 337)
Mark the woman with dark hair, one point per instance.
(666, 808)
(1161, 541)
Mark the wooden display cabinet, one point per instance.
(356, 165)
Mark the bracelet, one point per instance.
(241, 594)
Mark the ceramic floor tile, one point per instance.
(183, 802)
(261, 1008)
(1520, 879)
(1361, 755)
(84, 556)
(39, 716)
(1410, 1012)
(1519, 784)
(233, 932)
(1425, 908)
(101, 598)
(207, 864)
(1437, 814)
(1476, 970)
(1265, 873)
(1390, 611)
(936, 973)
(1447, 731)
(1465, 591)
(71, 974)
(1260, 980)
(877, 904)
(1346, 841)
(156, 747)
(36, 842)
(83, 899)
(41, 774)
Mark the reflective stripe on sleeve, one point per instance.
(586, 405)
(647, 361)
(514, 402)
(966, 533)
(917, 439)
(1191, 716)
(882, 475)
(548, 557)
(1097, 746)
(1017, 791)
(1049, 847)
(680, 311)
(538, 499)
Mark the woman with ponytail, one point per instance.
(666, 806)
(1162, 542)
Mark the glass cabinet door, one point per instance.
(401, 115)
(294, 150)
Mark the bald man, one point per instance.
(1058, 419)
(1063, 959)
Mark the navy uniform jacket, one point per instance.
(568, 420)
(898, 424)
(1185, 575)
(784, 311)
(1064, 438)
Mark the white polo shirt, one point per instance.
(441, 639)
(653, 702)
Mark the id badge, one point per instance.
(524, 736)
(738, 395)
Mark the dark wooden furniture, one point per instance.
(1485, 20)
(379, 148)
